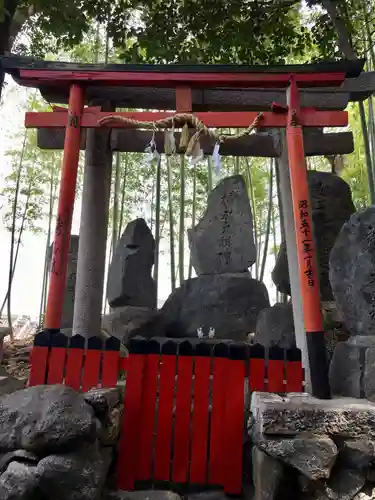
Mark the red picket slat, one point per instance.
(110, 368)
(257, 368)
(217, 455)
(147, 417)
(74, 368)
(91, 366)
(181, 448)
(38, 365)
(39, 359)
(163, 442)
(56, 365)
(127, 465)
(234, 427)
(110, 363)
(294, 371)
(275, 370)
(198, 464)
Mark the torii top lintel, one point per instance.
(184, 78)
(36, 73)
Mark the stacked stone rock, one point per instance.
(56, 444)
(223, 296)
(352, 275)
(312, 449)
(332, 206)
(131, 290)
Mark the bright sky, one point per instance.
(29, 271)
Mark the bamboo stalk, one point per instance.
(157, 224)
(171, 225)
(181, 246)
(193, 214)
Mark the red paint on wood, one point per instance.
(123, 363)
(163, 445)
(218, 434)
(235, 119)
(110, 368)
(306, 248)
(74, 368)
(180, 468)
(56, 365)
(147, 418)
(198, 464)
(127, 464)
(161, 79)
(38, 366)
(68, 182)
(184, 99)
(275, 372)
(294, 376)
(256, 374)
(91, 369)
(234, 427)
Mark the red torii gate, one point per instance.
(293, 119)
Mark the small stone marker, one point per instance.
(129, 278)
(70, 287)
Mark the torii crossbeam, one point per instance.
(184, 79)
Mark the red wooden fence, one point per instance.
(184, 403)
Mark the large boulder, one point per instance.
(129, 277)
(79, 475)
(332, 205)
(352, 272)
(230, 303)
(314, 456)
(45, 419)
(223, 241)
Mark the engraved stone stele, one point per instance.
(70, 287)
(129, 278)
(332, 205)
(352, 272)
(223, 241)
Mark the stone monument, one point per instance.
(70, 287)
(223, 297)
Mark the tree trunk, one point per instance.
(115, 234)
(123, 189)
(346, 48)
(10, 26)
(252, 205)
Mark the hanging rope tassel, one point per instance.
(185, 137)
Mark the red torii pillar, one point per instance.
(294, 119)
